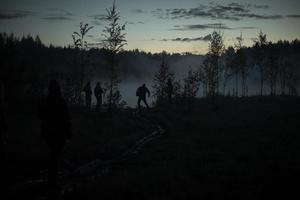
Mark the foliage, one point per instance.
(114, 40)
(75, 80)
(210, 69)
(191, 84)
(160, 82)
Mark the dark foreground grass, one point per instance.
(246, 149)
(96, 135)
(240, 149)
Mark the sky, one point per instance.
(175, 26)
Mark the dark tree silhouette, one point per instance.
(229, 66)
(75, 83)
(241, 65)
(210, 69)
(191, 86)
(160, 82)
(114, 41)
(259, 49)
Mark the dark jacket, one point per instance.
(98, 91)
(55, 117)
(142, 91)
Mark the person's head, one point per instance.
(98, 83)
(144, 85)
(54, 89)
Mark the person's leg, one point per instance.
(145, 102)
(98, 103)
(3, 169)
(55, 154)
(89, 101)
(139, 103)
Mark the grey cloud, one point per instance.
(256, 16)
(59, 15)
(56, 18)
(210, 26)
(201, 26)
(100, 17)
(204, 38)
(246, 27)
(15, 14)
(138, 11)
(231, 11)
(139, 22)
(293, 16)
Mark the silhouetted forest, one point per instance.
(28, 65)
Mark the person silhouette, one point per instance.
(3, 127)
(169, 90)
(56, 128)
(88, 94)
(141, 93)
(98, 91)
(3, 130)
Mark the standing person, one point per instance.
(141, 93)
(169, 90)
(98, 91)
(56, 128)
(88, 94)
(3, 129)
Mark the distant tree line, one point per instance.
(27, 65)
(276, 64)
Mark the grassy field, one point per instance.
(245, 149)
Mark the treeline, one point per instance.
(273, 68)
(275, 63)
(27, 65)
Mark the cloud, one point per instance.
(245, 27)
(231, 11)
(56, 18)
(59, 15)
(219, 26)
(201, 26)
(256, 16)
(139, 22)
(293, 16)
(204, 38)
(15, 14)
(138, 11)
(100, 17)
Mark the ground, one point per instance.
(239, 148)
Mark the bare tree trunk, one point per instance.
(261, 81)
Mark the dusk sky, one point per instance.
(156, 25)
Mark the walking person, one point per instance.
(98, 91)
(141, 92)
(56, 128)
